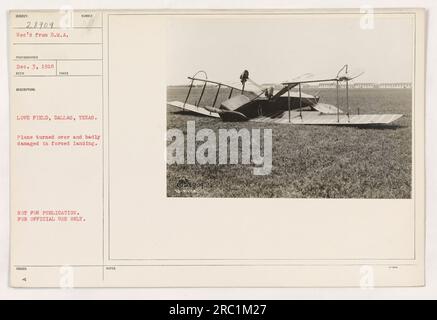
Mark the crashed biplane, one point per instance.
(281, 105)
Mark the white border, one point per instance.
(428, 292)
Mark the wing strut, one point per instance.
(191, 86)
(288, 88)
(338, 105)
(289, 106)
(188, 94)
(300, 100)
(216, 96)
(201, 95)
(347, 96)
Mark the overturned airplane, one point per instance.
(282, 105)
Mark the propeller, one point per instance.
(244, 77)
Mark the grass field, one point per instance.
(308, 161)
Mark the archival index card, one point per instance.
(263, 148)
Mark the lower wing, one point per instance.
(191, 108)
(315, 118)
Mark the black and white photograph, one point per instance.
(291, 106)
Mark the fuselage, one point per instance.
(241, 107)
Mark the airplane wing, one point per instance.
(315, 118)
(194, 109)
(326, 108)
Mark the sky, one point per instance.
(279, 48)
